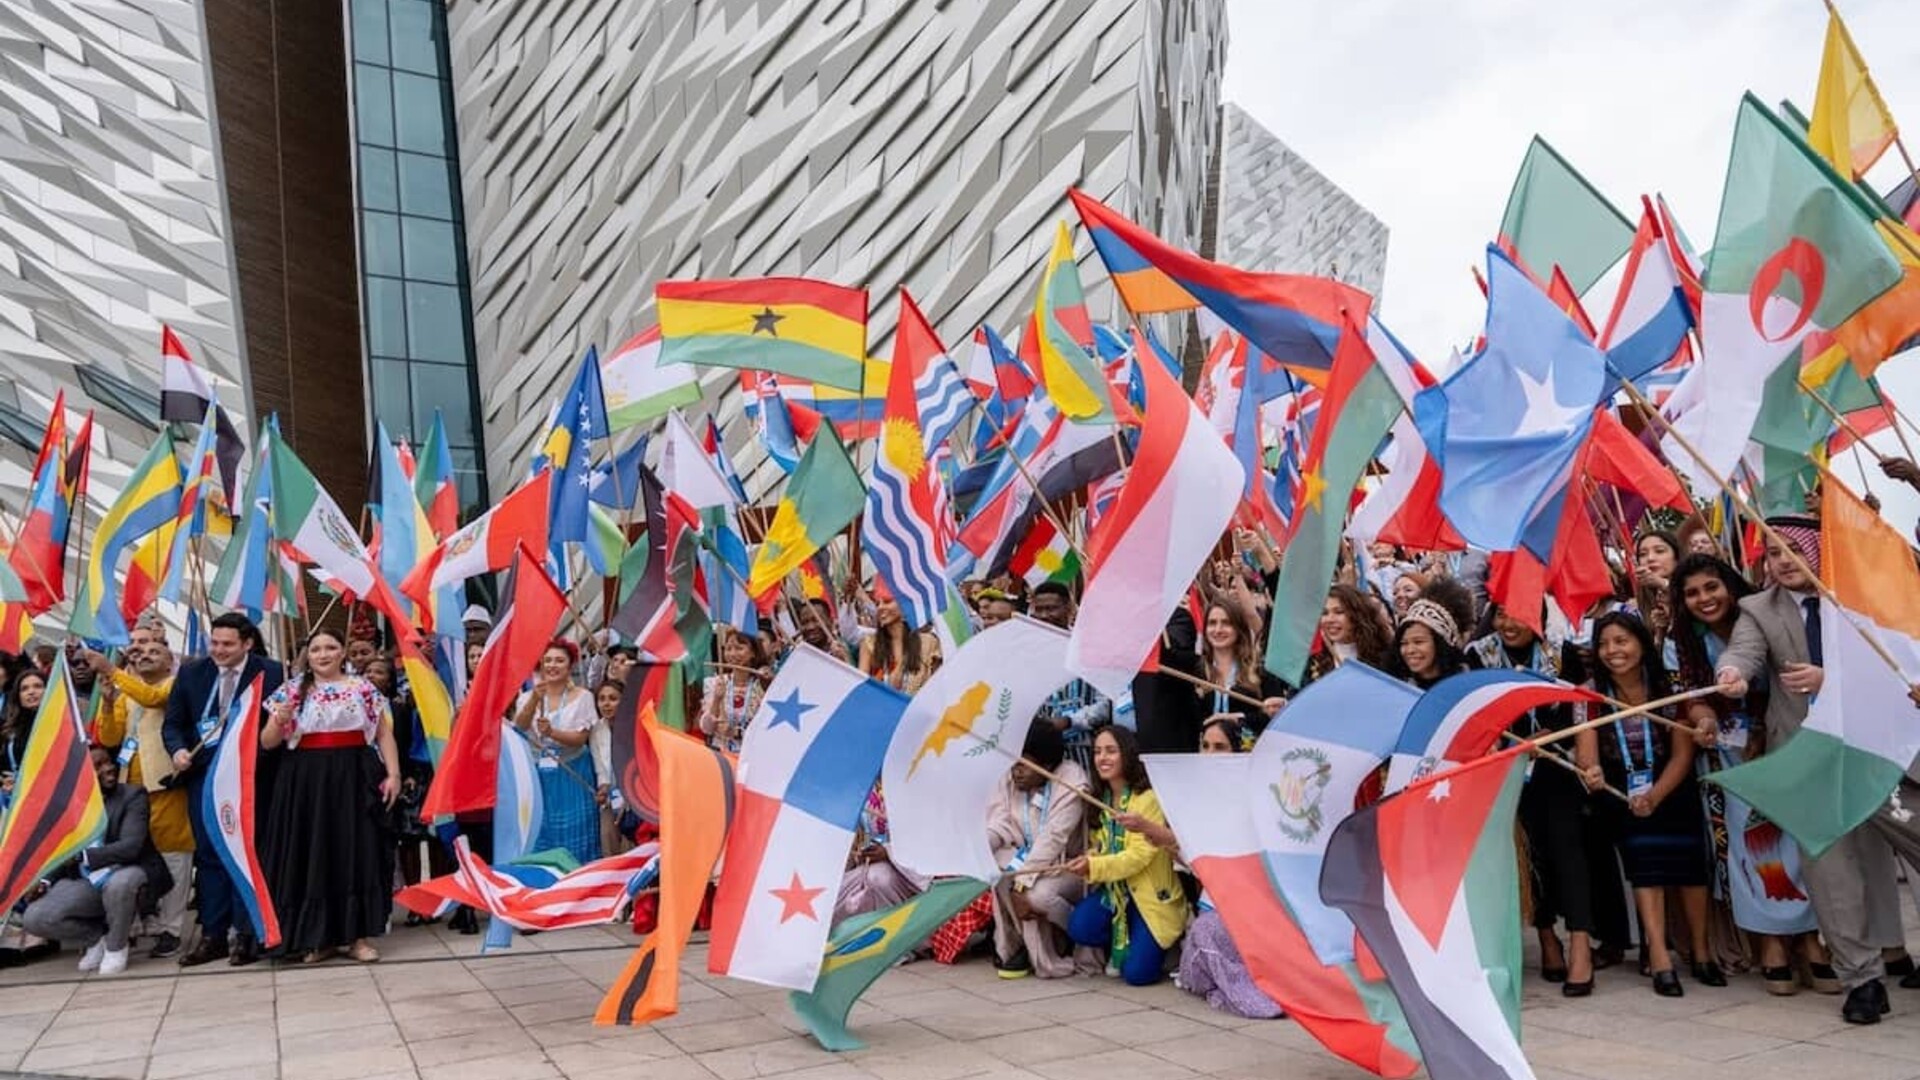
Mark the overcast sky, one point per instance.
(1422, 111)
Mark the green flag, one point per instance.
(823, 495)
(865, 946)
(1555, 218)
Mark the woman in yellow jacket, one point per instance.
(1135, 908)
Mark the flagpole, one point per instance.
(1565, 763)
(1645, 709)
(1766, 530)
(1846, 426)
(1047, 509)
(1213, 686)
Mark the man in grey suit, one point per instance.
(1852, 884)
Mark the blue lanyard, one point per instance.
(1221, 701)
(1026, 814)
(1646, 740)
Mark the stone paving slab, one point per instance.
(435, 1010)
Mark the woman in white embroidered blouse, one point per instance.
(572, 751)
(325, 850)
(729, 699)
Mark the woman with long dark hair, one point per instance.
(569, 742)
(1352, 627)
(732, 695)
(326, 849)
(1660, 831)
(1134, 909)
(894, 653)
(16, 725)
(1756, 869)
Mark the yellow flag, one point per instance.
(1850, 126)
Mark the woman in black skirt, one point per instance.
(1660, 830)
(326, 850)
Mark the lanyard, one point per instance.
(1026, 814)
(1221, 701)
(210, 718)
(1646, 740)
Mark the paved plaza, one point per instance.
(435, 1010)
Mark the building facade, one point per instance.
(1281, 215)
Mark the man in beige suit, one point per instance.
(1852, 883)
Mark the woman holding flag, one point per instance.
(568, 740)
(325, 848)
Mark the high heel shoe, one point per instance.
(1667, 984)
(1572, 989)
(1709, 974)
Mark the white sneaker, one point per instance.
(113, 961)
(90, 960)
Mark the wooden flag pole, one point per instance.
(1213, 686)
(1565, 763)
(1760, 520)
(1844, 424)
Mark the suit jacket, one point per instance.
(127, 842)
(1771, 633)
(194, 686)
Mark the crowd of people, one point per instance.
(1625, 852)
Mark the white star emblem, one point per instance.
(1544, 410)
(1440, 790)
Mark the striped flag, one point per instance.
(147, 503)
(518, 809)
(56, 811)
(899, 531)
(638, 387)
(588, 896)
(1458, 720)
(184, 394)
(246, 565)
(227, 803)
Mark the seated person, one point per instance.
(1034, 821)
(1136, 909)
(92, 901)
(872, 880)
(1210, 963)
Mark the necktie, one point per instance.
(1814, 651)
(228, 676)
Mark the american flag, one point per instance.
(589, 896)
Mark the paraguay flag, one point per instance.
(810, 758)
(227, 804)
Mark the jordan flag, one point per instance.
(1429, 879)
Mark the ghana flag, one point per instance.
(794, 326)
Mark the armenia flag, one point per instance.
(56, 809)
(794, 326)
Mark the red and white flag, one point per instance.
(486, 543)
(184, 393)
(1181, 492)
(1405, 508)
(588, 896)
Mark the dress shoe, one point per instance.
(1572, 989)
(1709, 974)
(245, 951)
(164, 945)
(206, 952)
(1901, 967)
(1865, 1003)
(1667, 983)
(1911, 981)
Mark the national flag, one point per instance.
(530, 613)
(1792, 427)
(862, 949)
(147, 502)
(782, 429)
(519, 809)
(899, 531)
(1218, 805)
(1058, 456)
(247, 565)
(951, 748)
(1462, 716)
(1181, 491)
(433, 481)
(1292, 318)
(810, 758)
(228, 805)
(821, 497)
(795, 326)
(1505, 427)
(589, 896)
(16, 626)
(307, 519)
(725, 566)
(1405, 508)
(1010, 377)
(687, 469)
(1045, 554)
(1648, 326)
(431, 701)
(1429, 879)
(580, 418)
(658, 691)
(198, 486)
(406, 536)
(1063, 336)
(1784, 215)
(1554, 217)
(606, 545)
(650, 615)
(56, 811)
(696, 810)
(487, 543)
(1359, 407)
(938, 390)
(616, 484)
(1851, 125)
(1860, 736)
(715, 447)
(39, 549)
(184, 393)
(639, 387)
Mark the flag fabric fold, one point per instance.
(228, 803)
(794, 326)
(56, 810)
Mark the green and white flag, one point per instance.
(307, 519)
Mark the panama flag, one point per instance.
(485, 544)
(951, 749)
(1862, 732)
(1181, 492)
(1429, 879)
(1205, 801)
(810, 757)
(1308, 769)
(227, 804)
(1795, 253)
(1459, 719)
(899, 531)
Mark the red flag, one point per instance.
(521, 632)
(1614, 456)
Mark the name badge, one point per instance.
(1733, 736)
(1639, 782)
(548, 760)
(127, 749)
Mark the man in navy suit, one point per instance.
(197, 705)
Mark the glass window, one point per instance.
(444, 387)
(413, 45)
(370, 31)
(430, 253)
(379, 188)
(420, 119)
(386, 317)
(424, 186)
(391, 403)
(381, 243)
(434, 330)
(373, 105)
